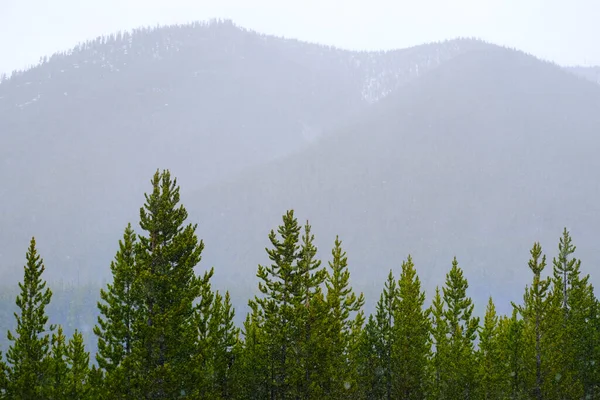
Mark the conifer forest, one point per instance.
(163, 332)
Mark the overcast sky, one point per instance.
(564, 31)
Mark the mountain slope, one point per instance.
(82, 132)
(479, 158)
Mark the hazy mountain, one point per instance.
(479, 158)
(591, 73)
(82, 132)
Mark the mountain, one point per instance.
(82, 132)
(591, 73)
(477, 158)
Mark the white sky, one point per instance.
(564, 31)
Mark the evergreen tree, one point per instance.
(490, 371)
(168, 291)
(77, 379)
(439, 368)
(462, 328)
(534, 312)
(411, 346)
(28, 354)
(384, 318)
(371, 382)
(115, 328)
(252, 369)
(279, 284)
(311, 313)
(203, 321)
(57, 369)
(222, 338)
(342, 303)
(3, 377)
(513, 348)
(573, 298)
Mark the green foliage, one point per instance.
(534, 311)
(77, 377)
(411, 345)
(58, 369)
(164, 334)
(514, 353)
(344, 319)
(29, 352)
(439, 364)
(167, 290)
(115, 329)
(462, 332)
(490, 372)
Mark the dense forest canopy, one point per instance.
(163, 332)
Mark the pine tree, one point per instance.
(169, 291)
(115, 328)
(203, 320)
(371, 382)
(311, 314)
(279, 283)
(57, 369)
(77, 379)
(384, 317)
(513, 348)
(3, 377)
(222, 338)
(439, 369)
(490, 371)
(463, 329)
(411, 346)
(534, 312)
(252, 367)
(572, 297)
(28, 354)
(343, 304)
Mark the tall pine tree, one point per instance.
(28, 355)
(534, 313)
(463, 327)
(345, 315)
(115, 328)
(168, 291)
(411, 346)
(277, 283)
(490, 371)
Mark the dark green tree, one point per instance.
(371, 374)
(439, 363)
(57, 368)
(534, 312)
(514, 353)
(462, 330)
(311, 315)
(169, 292)
(411, 345)
(344, 309)
(221, 341)
(77, 359)
(280, 285)
(384, 340)
(253, 367)
(115, 329)
(29, 352)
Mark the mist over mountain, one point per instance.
(83, 131)
(591, 73)
(456, 148)
(477, 159)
